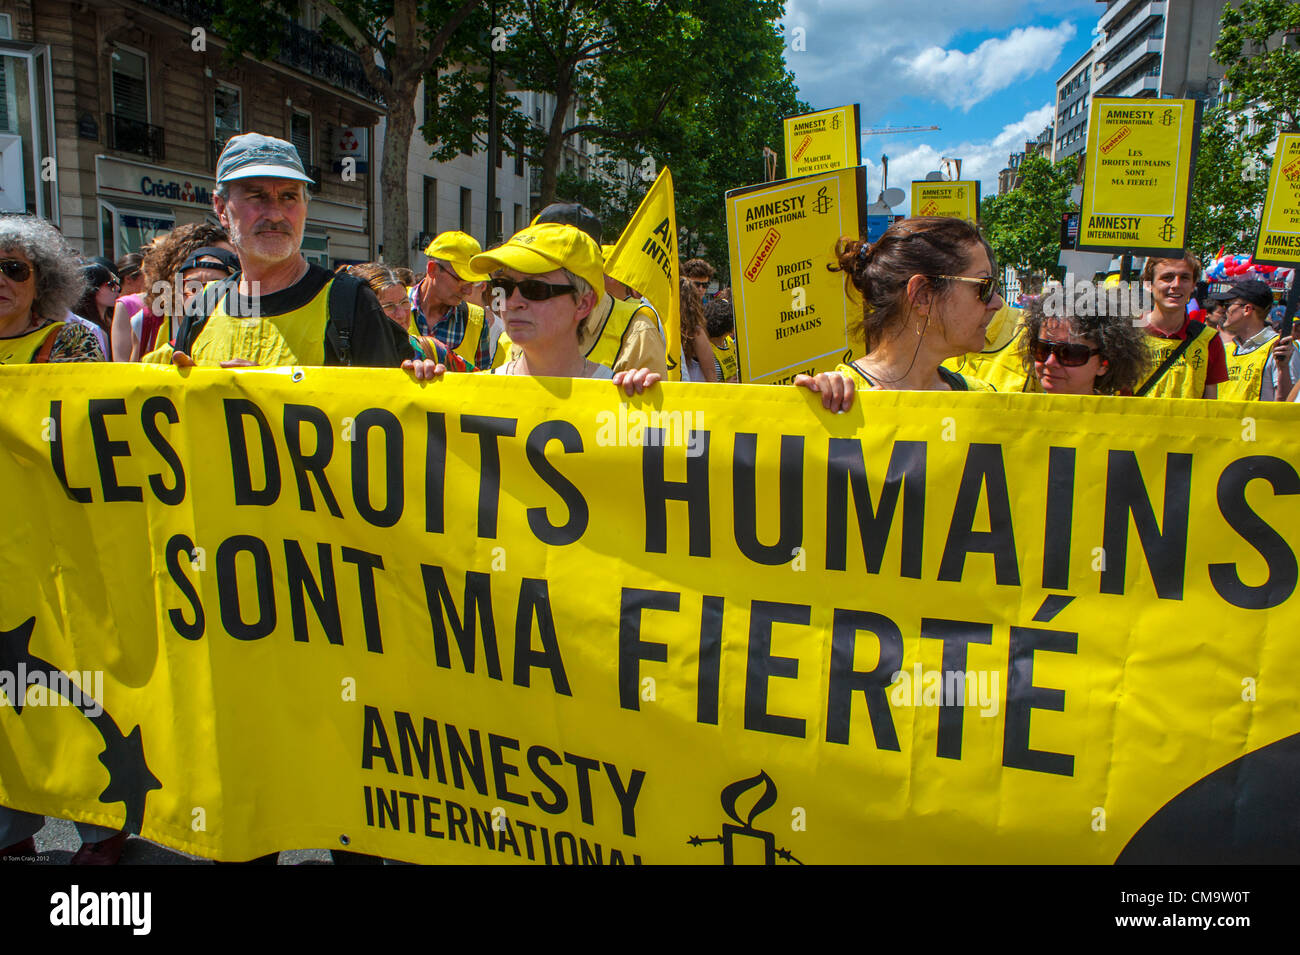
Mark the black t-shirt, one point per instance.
(376, 340)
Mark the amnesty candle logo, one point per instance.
(822, 204)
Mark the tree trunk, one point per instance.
(554, 149)
(392, 177)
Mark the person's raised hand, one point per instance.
(835, 388)
(636, 381)
(424, 369)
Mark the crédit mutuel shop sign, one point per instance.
(129, 180)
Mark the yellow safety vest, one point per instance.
(956, 381)
(467, 347)
(24, 349)
(1003, 368)
(292, 338)
(1185, 378)
(1246, 373)
(609, 341)
(725, 355)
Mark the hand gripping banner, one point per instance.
(533, 620)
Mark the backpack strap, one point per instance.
(1194, 329)
(341, 313)
(193, 319)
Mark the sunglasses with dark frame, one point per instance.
(14, 270)
(1069, 354)
(535, 290)
(988, 286)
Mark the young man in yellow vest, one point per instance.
(1187, 358)
(441, 318)
(279, 309)
(1261, 366)
(620, 333)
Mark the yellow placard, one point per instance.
(823, 141)
(792, 314)
(958, 199)
(1137, 174)
(498, 619)
(1279, 224)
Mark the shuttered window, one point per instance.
(130, 85)
(300, 136)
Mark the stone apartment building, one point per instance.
(113, 112)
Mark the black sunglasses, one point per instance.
(988, 286)
(535, 290)
(1069, 354)
(14, 270)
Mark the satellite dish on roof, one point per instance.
(934, 176)
(879, 209)
(892, 197)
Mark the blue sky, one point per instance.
(983, 71)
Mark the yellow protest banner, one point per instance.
(955, 199)
(792, 314)
(1279, 224)
(1138, 170)
(823, 141)
(645, 258)
(533, 620)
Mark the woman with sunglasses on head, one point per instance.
(154, 325)
(929, 289)
(1081, 354)
(95, 307)
(39, 281)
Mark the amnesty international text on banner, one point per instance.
(823, 141)
(1137, 174)
(792, 314)
(1279, 225)
(532, 620)
(958, 199)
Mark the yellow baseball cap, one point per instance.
(546, 247)
(456, 248)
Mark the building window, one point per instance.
(519, 217)
(519, 162)
(430, 207)
(496, 219)
(431, 96)
(466, 210)
(300, 136)
(227, 113)
(130, 85)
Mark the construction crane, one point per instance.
(886, 130)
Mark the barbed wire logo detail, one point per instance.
(129, 777)
(736, 835)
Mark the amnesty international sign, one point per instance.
(822, 141)
(532, 620)
(958, 199)
(792, 314)
(1138, 171)
(1279, 225)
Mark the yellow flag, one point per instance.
(645, 258)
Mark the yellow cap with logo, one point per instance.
(544, 248)
(456, 248)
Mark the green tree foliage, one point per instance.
(1227, 190)
(1261, 66)
(410, 38)
(1024, 225)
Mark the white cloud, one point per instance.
(980, 160)
(853, 47)
(964, 79)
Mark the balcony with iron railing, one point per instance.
(133, 136)
(297, 47)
